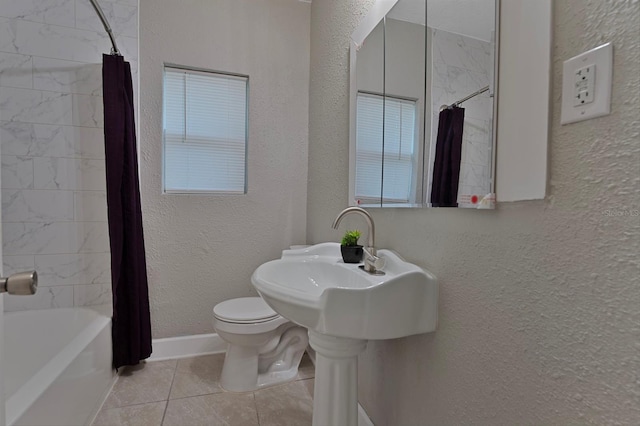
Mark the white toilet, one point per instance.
(264, 348)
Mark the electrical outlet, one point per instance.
(585, 79)
(586, 85)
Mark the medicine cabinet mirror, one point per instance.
(422, 104)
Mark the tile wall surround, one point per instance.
(54, 214)
(461, 66)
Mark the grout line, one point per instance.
(33, 72)
(62, 156)
(166, 405)
(55, 91)
(55, 124)
(205, 394)
(132, 405)
(255, 404)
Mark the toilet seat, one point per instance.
(244, 310)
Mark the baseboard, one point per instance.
(187, 346)
(363, 418)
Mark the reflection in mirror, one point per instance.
(434, 90)
(404, 77)
(370, 113)
(462, 108)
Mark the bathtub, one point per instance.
(57, 366)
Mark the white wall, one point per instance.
(52, 144)
(202, 249)
(538, 300)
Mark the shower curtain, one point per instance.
(131, 319)
(446, 167)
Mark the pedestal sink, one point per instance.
(343, 307)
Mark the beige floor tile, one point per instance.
(309, 384)
(197, 376)
(288, 404)
(134, 415)
(306, 370)
(220, 409)
(145, 382)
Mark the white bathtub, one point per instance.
(57, 366)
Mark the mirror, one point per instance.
(422, 104)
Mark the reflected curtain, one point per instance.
(131, 319)
(446, 167)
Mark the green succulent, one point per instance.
(351, 238)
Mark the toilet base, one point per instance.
(248, 368)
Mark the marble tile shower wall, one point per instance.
(54, 213)
(460, 67)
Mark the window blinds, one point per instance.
(205, 131)
(397, 165)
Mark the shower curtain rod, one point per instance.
(107, 27)
(474, 94)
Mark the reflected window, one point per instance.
(390, 176)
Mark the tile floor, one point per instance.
(186, 392)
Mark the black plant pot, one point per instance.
(351, 254)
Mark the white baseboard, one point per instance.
(206, 344)
(187, 346)
(363, 418)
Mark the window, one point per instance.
(205, 132)
(399, 159)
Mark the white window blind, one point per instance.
(399, 148)
(205, 131)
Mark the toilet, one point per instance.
(264, 349)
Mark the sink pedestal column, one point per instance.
(335, 399)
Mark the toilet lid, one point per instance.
(244, 310)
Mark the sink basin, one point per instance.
(313, 287)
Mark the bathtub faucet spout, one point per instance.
(22, 283)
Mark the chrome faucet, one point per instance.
(371, 260)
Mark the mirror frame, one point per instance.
(376, 14)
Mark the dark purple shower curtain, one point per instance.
(446, 167)
(131, 319)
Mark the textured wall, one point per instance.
(202, 249)
(538, 300)
(54, 209)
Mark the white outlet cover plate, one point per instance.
(602, 58)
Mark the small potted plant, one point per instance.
(351, 251)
